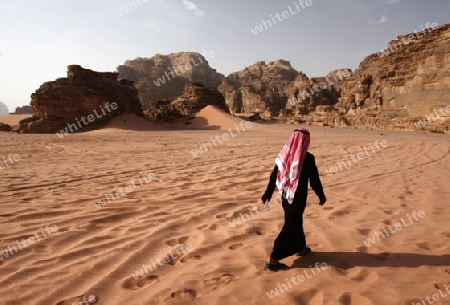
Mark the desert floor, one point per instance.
(190, 202)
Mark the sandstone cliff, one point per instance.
(259, 86)
(84, 99)
(164, 76)
(399, 87)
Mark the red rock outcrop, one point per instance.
(194, 98)
(5, 127)
(164, 76)
(84, 99)
(259, 86)
(407, 83)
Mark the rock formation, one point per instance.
(5, 127)
(24, 110)
(84, 99)
(164, 76)
(259, 86)
(193, 99)
(397, 88)
(3, 108)
(407, 86)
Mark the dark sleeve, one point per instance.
(271, 186)
(314, 180)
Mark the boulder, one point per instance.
(81, 101)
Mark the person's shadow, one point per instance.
(347, 260)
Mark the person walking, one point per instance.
(295, 166)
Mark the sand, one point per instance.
(181, 206)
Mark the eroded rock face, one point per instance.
(164, 76)
(407, 83)
(84, 99)
(259, 86)
(193, 99)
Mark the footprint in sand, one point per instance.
(235, 246)
(349, 298)
(328, 208)
(339, 213)
(133, 284)
(362, 249)
(224, 215)
(366, 277)
(388, 212)
(447, 270)
(202, 226)
(431, 247)
(364, 231)
(190, 257)
(224, 278)
(177, 241)
(185, 294)
(446, 234)
(213, 227)
(83, 299)
(442, 286)
(312, 215)
(255, 230)
(387, 222)
(311, 296)
(346, 268)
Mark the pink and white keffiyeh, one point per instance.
(290, 162)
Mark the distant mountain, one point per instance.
(165, 76)
(24, 110)
(3, 108)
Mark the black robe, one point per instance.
(292, 237)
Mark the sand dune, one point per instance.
(212, 117)
(190, 211)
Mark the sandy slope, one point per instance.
(192, 201)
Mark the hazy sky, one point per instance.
(39, 38)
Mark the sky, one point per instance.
(40, 38)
